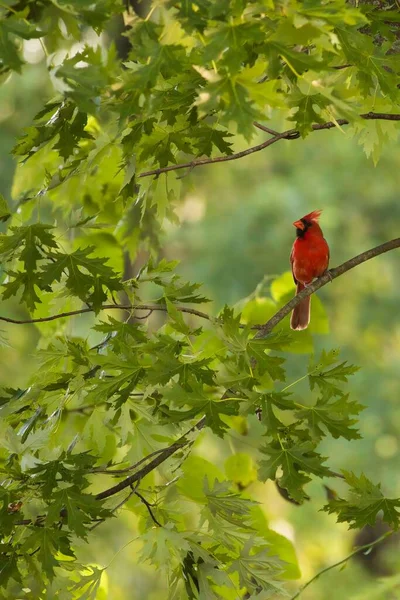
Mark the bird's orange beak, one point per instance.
(299, 224)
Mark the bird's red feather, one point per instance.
(309, 259)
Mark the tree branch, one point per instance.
(265, 329)
(156, 462)
(208, 161)
(149, 509)
(290, 134)
(340, 562)
(129, 307)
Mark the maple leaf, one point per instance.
(189, 372)
(75, 508)
(163, 544)
(296, 462)
(257, 569)
(365, 501)
(85, 275)
(334, 415)
(256, 349)
(199, 402)
(47, 542)
(206, 138)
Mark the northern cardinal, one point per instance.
(309, 259)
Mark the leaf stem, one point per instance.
(340, 562)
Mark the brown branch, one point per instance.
(81, 311)
(156, 462)
(127, 469)
(290, 134)
(149, 509)
(119, 505)
(208, 161)
(265, 329)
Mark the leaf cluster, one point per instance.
(113, 391)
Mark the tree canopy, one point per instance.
(129, 368)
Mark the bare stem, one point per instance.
(289, 134)
(129, 307)
(340, 562)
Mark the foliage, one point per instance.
(126, 387)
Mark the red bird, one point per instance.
(309, 259)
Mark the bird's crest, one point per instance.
(313, 216)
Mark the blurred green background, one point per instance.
(236, 228)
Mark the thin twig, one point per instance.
(124, 501)
(265, 128)
(81, 311)
(208, 161)
(340, 562)
(127, 469)
(83, 408)
(148, 506)
(144, 317)
(290, 134)
(156, 462)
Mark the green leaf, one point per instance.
(47, 542)
(328, 380)
(176, 319)
(9, 56)
(308, 111)
(87, 81)
(265, 362)
(85, 276)
(280, 545)
(222, 502)
(206, 138)
(334, 416)
(78, 510)
(199, 402)
(258, 570)
(32, 245)
(68, 468)
(196, 470)
(161, 545)
(89, 584)
(297, 463)
(365, 501)
(298, 62)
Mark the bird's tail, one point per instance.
(301, 313)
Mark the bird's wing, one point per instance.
(291, 262)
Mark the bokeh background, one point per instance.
(235, 232)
